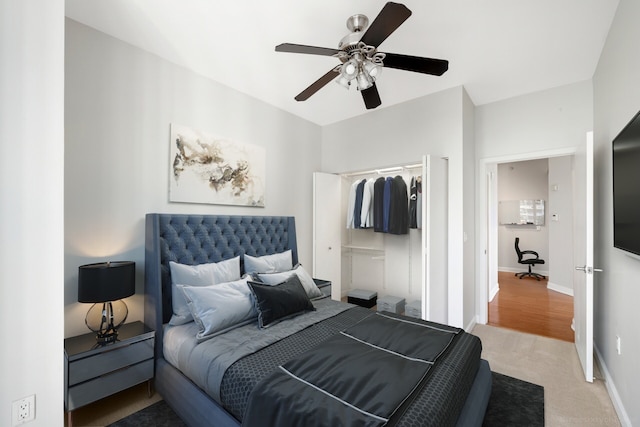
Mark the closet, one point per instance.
(412, 265)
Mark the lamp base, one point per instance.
(107, 338)
(105, 318)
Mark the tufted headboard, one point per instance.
(198, 239)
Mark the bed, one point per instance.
(452, 389)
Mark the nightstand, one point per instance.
(93, 371)
(324, 286)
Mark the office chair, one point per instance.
(528, 261)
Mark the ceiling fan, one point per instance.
(360, 60)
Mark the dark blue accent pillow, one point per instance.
(278, 302)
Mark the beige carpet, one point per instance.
(569, 400)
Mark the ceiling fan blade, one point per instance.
(418, 64)
(317, 85)
(388, 20)
(300, 48)
(371, 97)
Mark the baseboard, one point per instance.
(494, 291)
(509, 270)
(612, 390)
(522, 270)
(472, 324)
(559, 288)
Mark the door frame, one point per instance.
(487, 253)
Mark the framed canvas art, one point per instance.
(210, 169)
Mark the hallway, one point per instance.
(527, 305)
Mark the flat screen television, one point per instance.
(626, 187)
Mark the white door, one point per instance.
(327, 223)
(426, 233)
(583, 256)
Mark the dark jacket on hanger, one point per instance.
(399, 207)
(413, 203)
(378, 205)
(386, 204)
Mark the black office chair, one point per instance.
(528, 261)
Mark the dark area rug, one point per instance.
(157, 415)
(513, 402)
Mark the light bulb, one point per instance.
(372, 69)
(349, 69)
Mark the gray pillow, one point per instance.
(306, 280)
(219, 308)
(268, 263)
(198, 275)
(281, 301)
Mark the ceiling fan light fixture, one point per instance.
(364, 81)
(349, 69)
(343, 81)
(359, 59)
(372, 69)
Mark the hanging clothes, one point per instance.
(399, 207)
(378, 204)
(366, 215)
(413, 203)
(386, 208)
(351, 203)
(357, 210)
(419, 202)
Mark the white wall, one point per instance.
(469, 211)
(546, 120)
(119, 104)
(31, 213)
(561, 266)
(395, 135)
(522, 181)
(403, 133)
(617, 290)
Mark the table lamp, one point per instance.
(105, 284)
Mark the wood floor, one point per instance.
(526, 305)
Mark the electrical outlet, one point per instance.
(24, 410)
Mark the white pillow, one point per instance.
(275, 263)
(219, 308)
(198, 275)
(306, 280)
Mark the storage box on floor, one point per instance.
(362, 297)
(391, 303)
(414, 309)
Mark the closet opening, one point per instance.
(402, 261)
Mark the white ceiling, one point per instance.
(497, 49)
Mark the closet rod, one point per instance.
(383, 171)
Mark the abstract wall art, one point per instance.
(210, 169)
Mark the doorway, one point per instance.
(487, 202)
(535, 206)
(581, 248)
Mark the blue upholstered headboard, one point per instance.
(198, 239)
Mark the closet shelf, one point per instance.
(362, 248)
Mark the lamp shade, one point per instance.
(106, 281)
